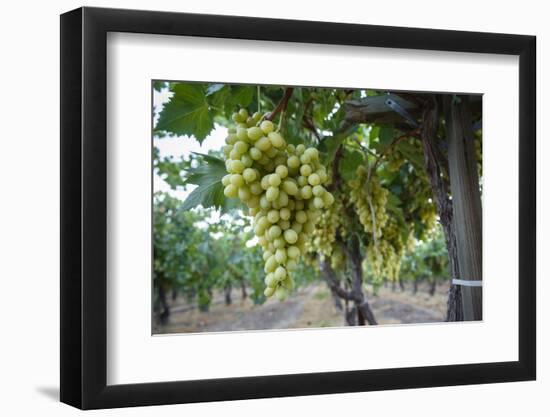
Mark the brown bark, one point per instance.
(227, 294)
(361, 309)
(364, 312)
(435, 165)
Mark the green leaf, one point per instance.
(220, 98)
(412, 153)
(349, 163)
(386, 135)
(159, 85)
(209, 192)
(330, 144)
(212, 170)
(187, 112)
(210, 195)
(242, 95)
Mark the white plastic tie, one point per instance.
(468, 283)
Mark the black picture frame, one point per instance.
(84, 207)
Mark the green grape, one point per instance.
(280, 273)
(267, 126)
(274, 231)
(276, 140)
(231, 191)
(255, 187)
(273, 216)
(281, 171)
(237, 166)
(280, 255)
(255, 153)
(274, 180)
(318, 191)
(249, 175)
(263, 144)
(305, 170)
(272, 193)
(237, 180)
(242, 134)
(284, 214)
(243, 113)
(314, 179)
(306, 192)
(254, 133)
(293, 162)
(281, 293)
(289, 187)
(290, 236)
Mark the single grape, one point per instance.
(290, 187)
(276, 140)
(314, 179)
(305, 170)
(273, 216)
(272, 193)
(263, 144)
(281, 293)
(274, 231)
(267, 126)
(290, 236)
(293, 162)
(231, 191)
(249, 175)
(254, 133)
(274, 180)
(281, 171)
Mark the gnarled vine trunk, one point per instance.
(360, 313)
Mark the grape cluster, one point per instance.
(324, 236)
(282, 185)
(428, 216)
(395, 160)
(361, 191)
(384, 257)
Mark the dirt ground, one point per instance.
(310, 306)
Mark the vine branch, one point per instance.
(281, 107)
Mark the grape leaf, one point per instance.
(242, 95)
(187, 112)
(350, 161)
(210, 195)
(159, 85)
(330, 144)
(412, 153)
(206, 174)
(208, 179)
(385, 135)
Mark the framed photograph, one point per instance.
(259, 208)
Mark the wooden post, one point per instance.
(435, 164)
(466, 200)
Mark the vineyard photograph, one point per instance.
(292, 207)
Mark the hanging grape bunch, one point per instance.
(370, 199)
(324, 237)
(282, 185)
